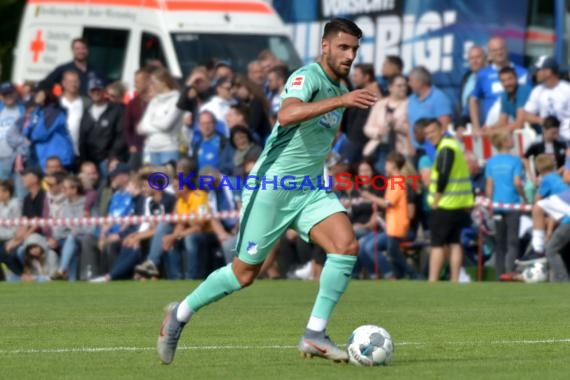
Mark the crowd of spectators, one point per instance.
(90, 151)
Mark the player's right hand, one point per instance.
(359, 98)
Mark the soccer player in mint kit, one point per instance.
(313, 102)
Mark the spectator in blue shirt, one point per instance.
(427, 101)
(484, 104)
(512, 100)
(476, 59)
(212, 149)
(504, 173)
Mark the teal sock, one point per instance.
(219, 284)
(334, 280)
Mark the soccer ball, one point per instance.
(370, 345)
(535, 273)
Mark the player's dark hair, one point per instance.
(551, 122)
(338, 25)
(396, 61)
(507, 70)
(366, 68)
(397, 158)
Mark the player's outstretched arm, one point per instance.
(294, 111)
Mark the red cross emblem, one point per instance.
(37, 46)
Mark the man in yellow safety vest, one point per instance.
(450, 198)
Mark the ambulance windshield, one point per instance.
(193, 49)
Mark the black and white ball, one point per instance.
(370, 345)
(534, 273)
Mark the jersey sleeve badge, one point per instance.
(297, 82)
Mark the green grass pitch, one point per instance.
(441, 331)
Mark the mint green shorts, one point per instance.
(267, 214)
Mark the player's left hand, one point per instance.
(359, 98)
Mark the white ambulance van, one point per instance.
(124, 35)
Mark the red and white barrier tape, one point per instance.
(173, 218)
(485, 202)
(112, 220)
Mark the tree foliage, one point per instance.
(11, 12)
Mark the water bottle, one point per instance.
(89, 272)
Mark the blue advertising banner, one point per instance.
(434, 33)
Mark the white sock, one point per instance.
(538, 240)
(317, 324)
(184, 313)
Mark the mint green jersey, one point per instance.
(301, 150)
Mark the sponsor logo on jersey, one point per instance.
(330, 120)
(297, 82)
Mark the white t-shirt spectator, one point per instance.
(74, 113)
(219, 107)
(161, 123)
(544, 101)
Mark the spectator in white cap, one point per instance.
(550, 98)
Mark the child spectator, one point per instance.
(395, 202)
(551, 183)
(364, 219)
(503, 174)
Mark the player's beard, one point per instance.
(337, 69)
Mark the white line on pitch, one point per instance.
(252, 347)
